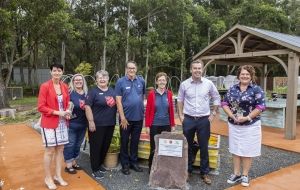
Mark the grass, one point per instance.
(18, 119)
(25, 115)
(31, 115)
(32, 100)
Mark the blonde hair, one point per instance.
(84, 86)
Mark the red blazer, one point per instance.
(150, 108)
(48, 102)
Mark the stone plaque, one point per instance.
(170, 171)
(170, 147)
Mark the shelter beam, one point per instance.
(248, 54)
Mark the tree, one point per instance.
(8, 41)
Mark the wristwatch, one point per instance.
(214, 113)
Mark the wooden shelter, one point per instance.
(246, 45)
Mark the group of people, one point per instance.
(64, 126)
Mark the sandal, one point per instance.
(70, 170)
(50, 185)
(60, 181)
(77, 167)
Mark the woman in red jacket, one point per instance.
(52, 104)
(159, 113)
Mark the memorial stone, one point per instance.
(170, 161)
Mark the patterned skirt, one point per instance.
(55, 137)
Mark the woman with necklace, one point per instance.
(78, 123)
(53, 101)
(101, 112)
(243, 104)
(159, 115)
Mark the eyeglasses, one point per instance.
(102, 78)
(77, 80)
(131, 68)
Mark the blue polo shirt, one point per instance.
(161, 116)
(132, 92)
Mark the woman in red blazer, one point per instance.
(159, 113)
(53, 104)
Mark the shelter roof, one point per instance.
(253, 40)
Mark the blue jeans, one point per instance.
(201, 127)
(72, 149)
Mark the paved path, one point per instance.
(21, 155)
(21, 162)
(286, 178)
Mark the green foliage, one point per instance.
(115, 141)
(5, 16)
(174, 31)
(84, 68)
(281, 89)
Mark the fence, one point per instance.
(14, 92)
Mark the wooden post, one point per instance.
(265, 70)
(291, 107)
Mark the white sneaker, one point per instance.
(245, 181)
(234, 178)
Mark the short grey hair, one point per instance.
(102, 73)
(84, 87)
(133, 62)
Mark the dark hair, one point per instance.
(248, 68)
(160, 74)
(197, 61)
(57, 65)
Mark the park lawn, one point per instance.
(27, 111)
(30, 100)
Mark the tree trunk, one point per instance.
(35, 63)
(29, 68)
(147, 51)
(20, 52)
(182, 53)
(63, 53)
(103, 66)
(127, 36)
(3, 99)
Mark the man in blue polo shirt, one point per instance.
(130, 91)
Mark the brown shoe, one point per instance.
(206, 179)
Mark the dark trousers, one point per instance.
(133, 133)
(99, 143)
(155, 130)
(200, 126)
